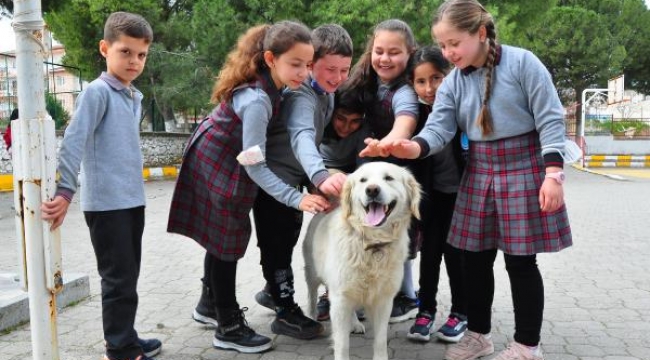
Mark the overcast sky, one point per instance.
(8, 37)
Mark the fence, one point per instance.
(621, 129)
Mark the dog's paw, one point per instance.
(358, 328)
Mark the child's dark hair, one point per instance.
(246, 60)
(363, 75)
(348, 100)
(129, 24)
(331, 39)
(469, 16)
(428, 54)
(14, 115)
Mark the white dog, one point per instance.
(358, 251)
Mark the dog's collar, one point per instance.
(376, 246)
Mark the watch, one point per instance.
(557, 176)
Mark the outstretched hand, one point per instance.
(404, 149)
(374, 148)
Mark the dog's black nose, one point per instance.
(372, 191)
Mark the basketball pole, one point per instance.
(583, 115)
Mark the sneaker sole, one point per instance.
(261, 301)
(204, 319)
(418, 337)
(154, 352)
(277, 329)
(485, 352)
(409, 315)
(449, 339)
(242, 349)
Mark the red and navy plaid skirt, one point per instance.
(498, 201)
(214, 195)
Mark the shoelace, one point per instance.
(422, 321)
(452, 321)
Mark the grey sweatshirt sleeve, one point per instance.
(298, 109)
(254, 108)
(90, 109)
(405, 102)
(441, 126)
(544, 103)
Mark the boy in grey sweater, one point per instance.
(103, 141)
(292, 155)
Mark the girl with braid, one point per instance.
(510, 197)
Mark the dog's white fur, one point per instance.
(362, 265)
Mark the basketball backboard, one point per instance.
(615, 90)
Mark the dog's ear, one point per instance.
(415, 195)
(346, 197)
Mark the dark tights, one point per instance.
(527, 289)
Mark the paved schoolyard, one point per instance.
(597, 307)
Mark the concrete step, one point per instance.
(14, 302)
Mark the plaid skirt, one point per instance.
(498, 201)
(214, 195)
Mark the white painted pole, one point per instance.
(34, 156)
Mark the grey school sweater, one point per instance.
(523, 99)
(103, 141)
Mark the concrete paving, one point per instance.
(597, 292)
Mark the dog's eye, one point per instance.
(388, 178)
(363, 180)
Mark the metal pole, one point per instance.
(34, 168)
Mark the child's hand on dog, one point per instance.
(314, 203)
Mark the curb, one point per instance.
(149, 174)
(611, 176)
(14, 302)
(609, 161)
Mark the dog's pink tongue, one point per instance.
(375, 215)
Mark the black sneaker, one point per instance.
(150, 347)
(265, 299)
(235, 334)
(404, 308)
(323, 307)
(292, 322)
(206, 319)
(205, 312)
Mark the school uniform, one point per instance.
(214, 194)
(109, 179)
(498, 199)
(292, 155)
(439, 175)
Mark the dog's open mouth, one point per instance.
(376, 213)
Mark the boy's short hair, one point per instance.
(129, 24)
(331, 39)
